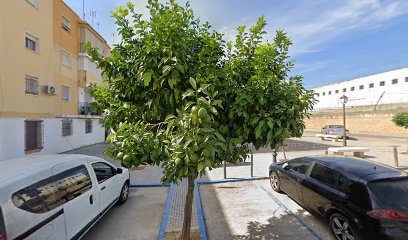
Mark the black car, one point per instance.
(359, 199)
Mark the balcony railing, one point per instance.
(83, 50)
(85, 108)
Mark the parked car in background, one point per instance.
(358, 198)
(57, 196)
(337, 130)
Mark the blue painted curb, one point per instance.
(148, 185)
(276, 200)
(200, 213)
(166, 214)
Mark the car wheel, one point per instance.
(341, 228)
(124, 194)
(275, 182)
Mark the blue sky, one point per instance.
(333, 40)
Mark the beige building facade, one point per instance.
(44, 75)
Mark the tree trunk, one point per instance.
(185, 234)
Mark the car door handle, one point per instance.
(91, 199)
(103, 188)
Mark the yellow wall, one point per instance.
(67, 42)
(16, 61)
(17, 17)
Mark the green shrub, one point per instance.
(401, 119)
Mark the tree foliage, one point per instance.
(401, 119)
(178, 96)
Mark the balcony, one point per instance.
(82, 48)
(84, 52)
(85, 108)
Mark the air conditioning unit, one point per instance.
(49, 89)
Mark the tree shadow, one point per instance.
(284, 226)
(281, 224)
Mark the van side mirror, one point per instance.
(119, 171)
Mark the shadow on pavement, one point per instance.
(280, 227)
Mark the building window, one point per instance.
(31, 85)
(32, 43)
(329, 92)
(65, 93)
(361, 87)
(324, 94)
(394, 81)
(66, 59)
(337, 91)
(66, 24)
(344, 89)
(352, 89)
(34, 135)
(371, 85)
(33, 2)
(66, 127)
(406, 79)
(382, 83)
(88, 125)
(317, 94)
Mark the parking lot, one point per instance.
(251, 210)
(231, 210)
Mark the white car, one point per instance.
(57, 196)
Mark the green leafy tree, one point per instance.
(179, 97)
(401, 119)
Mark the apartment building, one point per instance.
(44, 79)
(389, 87)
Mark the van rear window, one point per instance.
(54, 191)
(2, 227)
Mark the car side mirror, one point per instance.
(119, 170)
(285, 166)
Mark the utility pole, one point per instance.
(344, 125)
(344, 100)
(83, 10)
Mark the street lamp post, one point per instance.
(344, 100)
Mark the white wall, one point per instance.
(393, 93)
(12, 136)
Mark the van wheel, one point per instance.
(124, 194)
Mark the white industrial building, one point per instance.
(389, 87)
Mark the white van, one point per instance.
(57, 196)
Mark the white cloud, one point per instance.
(313, 24)
(312, 27)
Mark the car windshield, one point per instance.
(392, 193)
